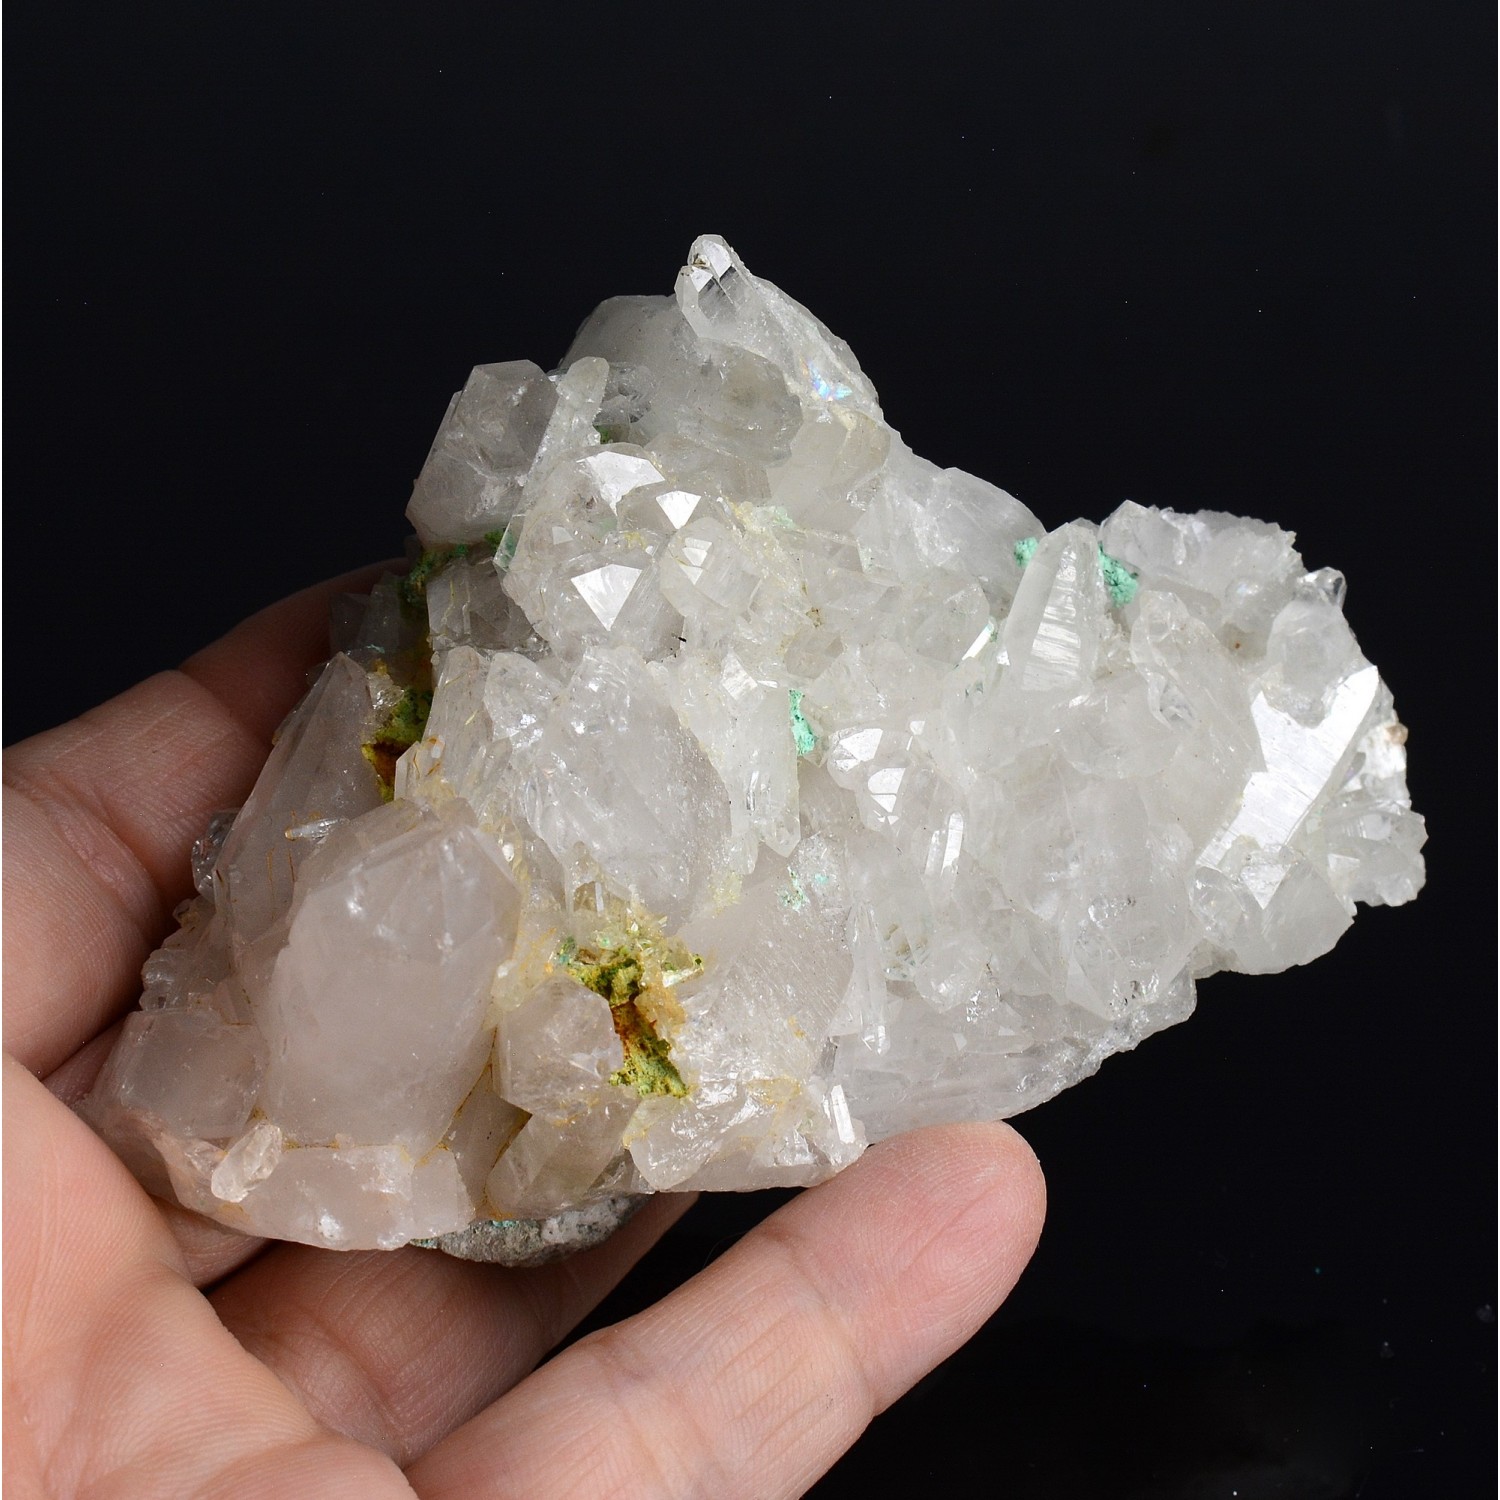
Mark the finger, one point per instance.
(397, 1348)
(755, 1376)
(72, 1081)
(259, 670)
(100, 814)
(209, 1251)
(119, 1380)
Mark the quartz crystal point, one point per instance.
(727, 787)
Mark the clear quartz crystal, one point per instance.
(728, 787)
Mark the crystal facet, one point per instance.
(726, 787)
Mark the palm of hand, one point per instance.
(148, 1352)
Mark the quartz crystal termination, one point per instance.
(726, 787)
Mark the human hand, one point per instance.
(149, 1352)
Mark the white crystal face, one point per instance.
(728, 787)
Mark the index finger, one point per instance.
(100, 815)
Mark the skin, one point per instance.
(149, 1352)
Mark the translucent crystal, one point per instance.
(727, 787)
(483, 452)
(379, 1000)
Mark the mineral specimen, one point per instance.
(726, 787)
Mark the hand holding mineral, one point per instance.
(152, 1352)
(723, 791)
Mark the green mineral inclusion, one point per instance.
(404, 726)
(504, 543)
(1118, 579)
(802, 733)
(413, 587)
(407, 721)
(617, 975)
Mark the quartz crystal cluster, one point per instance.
(726, 787)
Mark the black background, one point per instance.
(1223, 255)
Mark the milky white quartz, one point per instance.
(728, 787)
